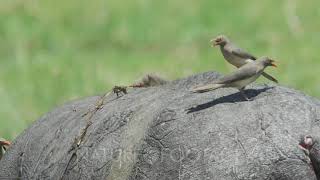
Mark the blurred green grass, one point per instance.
(55, 51)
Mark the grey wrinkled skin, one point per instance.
(167, 132)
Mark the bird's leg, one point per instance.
(119, 89)
(244, 95)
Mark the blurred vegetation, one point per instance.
(55, 51)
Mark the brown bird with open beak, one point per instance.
(240, 78)
(4, 144)
(235, 55)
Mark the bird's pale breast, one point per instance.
(242, 83)
(234, 60)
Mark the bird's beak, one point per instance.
(5, 143)
(213, 42)
(273, 64)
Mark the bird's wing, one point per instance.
(242, 73)
(241, 53)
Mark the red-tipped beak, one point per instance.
(273, 63)
(5, 143)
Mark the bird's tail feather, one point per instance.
(269, 77)
(206, 88)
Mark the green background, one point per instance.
(54, 51)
